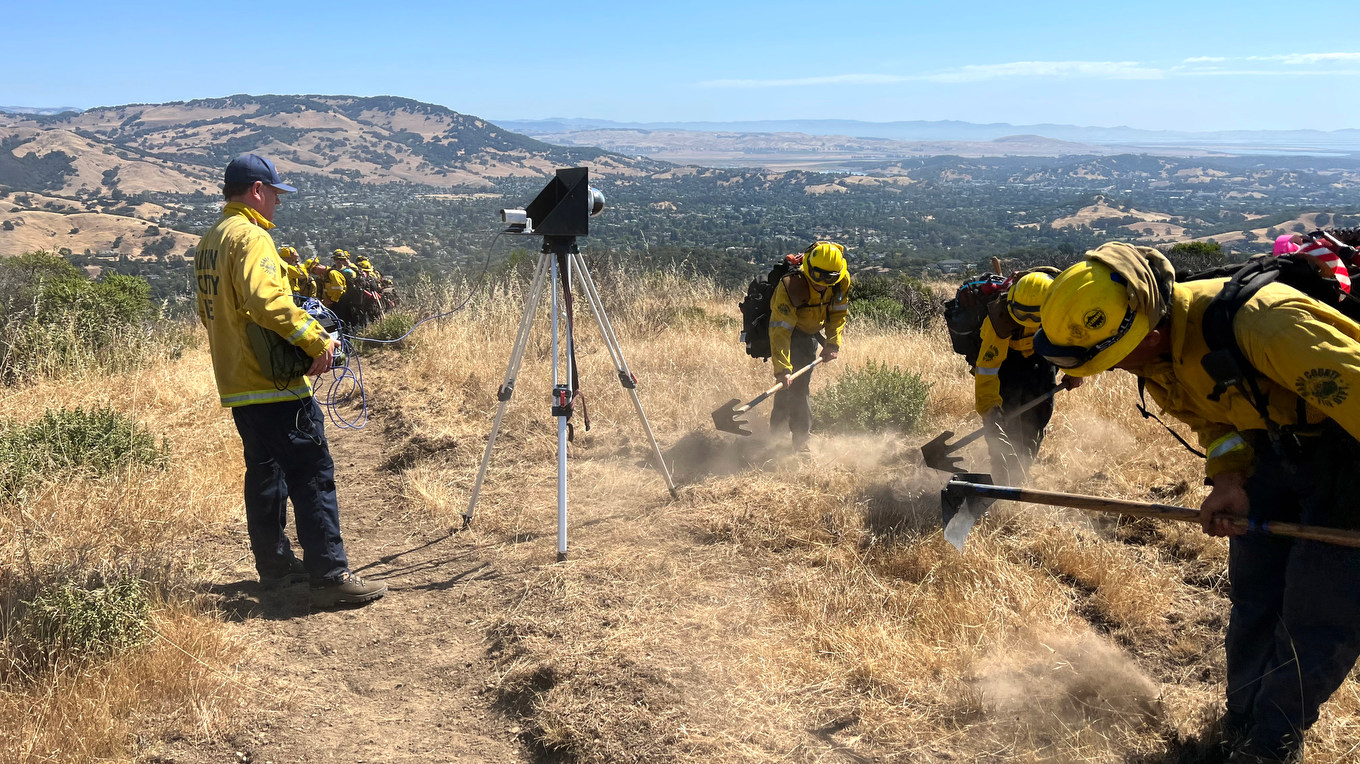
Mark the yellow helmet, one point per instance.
(289, 254)
(1088, 325)
(824, 263)
(1026, 297)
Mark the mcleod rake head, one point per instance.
(725, 418)
(936, 453)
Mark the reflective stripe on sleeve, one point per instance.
(781, 324)
(296, 335)
(990, 371)
(1230, 442)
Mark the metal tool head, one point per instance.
(962, 507)
(725, 418)
(936, 454)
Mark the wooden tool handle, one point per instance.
(1339, 536)
(778, 386)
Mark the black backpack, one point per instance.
(967, 310)
(1226, 364)
(755, 307)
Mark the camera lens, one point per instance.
(596, 202)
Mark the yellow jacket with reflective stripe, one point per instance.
(240, 281)
(993, 353)
(1301, 348)
(335, 285)
(808, 311)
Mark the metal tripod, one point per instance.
(562, 258)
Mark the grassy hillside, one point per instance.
(782, 608)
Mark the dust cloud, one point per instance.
(707, 453)
(1046, 687)
(909, 503)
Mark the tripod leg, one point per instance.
(507, 388)
(557, 318)
(620, 363)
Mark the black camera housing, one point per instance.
(564, 206)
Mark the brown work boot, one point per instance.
(350, 590)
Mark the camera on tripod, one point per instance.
(560, 214)
(563, 208)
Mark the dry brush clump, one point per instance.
(104, 643)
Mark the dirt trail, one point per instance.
(400, 680)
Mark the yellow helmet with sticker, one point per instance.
(1088, 325)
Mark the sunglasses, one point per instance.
(1072, 356)
(823, 276)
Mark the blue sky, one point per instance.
(1157, 65)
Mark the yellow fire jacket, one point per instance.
(335, 286)
(993, 353)
(796, 305)
(295, 276)
(1302, 348)
(241, 281)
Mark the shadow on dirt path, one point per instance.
(400, 680)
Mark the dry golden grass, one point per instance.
(780, 609)
(178, 686)
(145, 521)
(803, 610)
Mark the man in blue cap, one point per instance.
(245, 304)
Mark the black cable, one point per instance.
(486, 266)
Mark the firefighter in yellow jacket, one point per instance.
(333, 284)
(1009, 374)
(813, 300)
(299, 281)
(1294, 631)
(245, 304)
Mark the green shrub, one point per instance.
(881, 311)
(55, 320)
(63, 442)
(872, 398)
(893, 302)
(73, 623)
(390, 326)
(1195, 256)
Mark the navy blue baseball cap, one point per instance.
(249, 168)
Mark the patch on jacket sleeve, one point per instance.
(1323, 386)
(785, 309)
(990, 354)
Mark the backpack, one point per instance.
(755, 306)
(964, 314)
(1225, 363)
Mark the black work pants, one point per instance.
(1294, 633)
(794, 405)
(1022, 380)
(287, 457)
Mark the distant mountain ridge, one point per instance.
(38, 109)
(952, 130)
